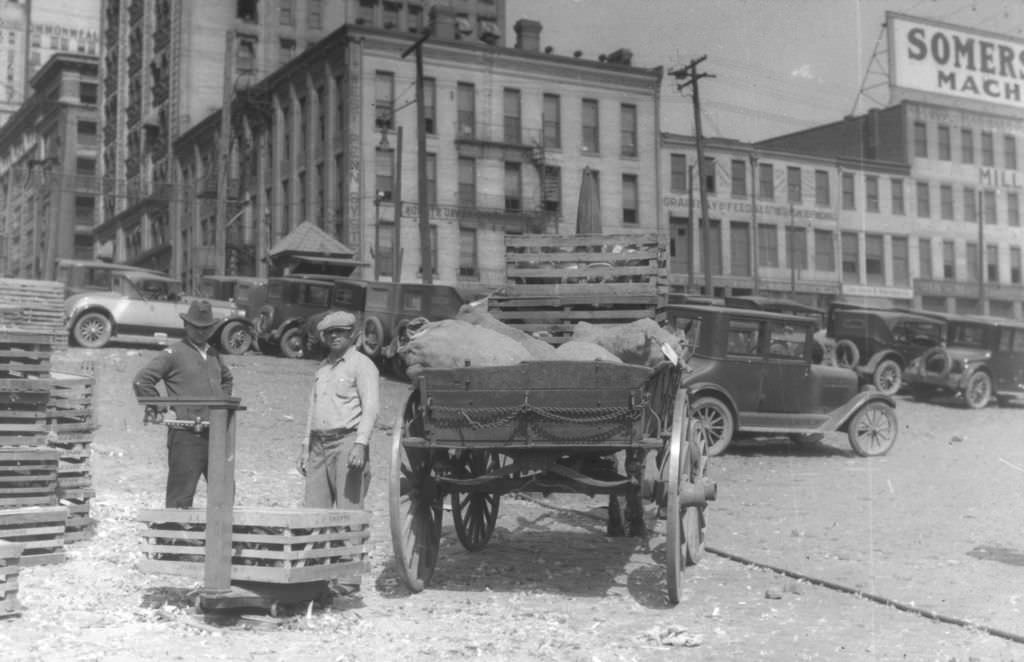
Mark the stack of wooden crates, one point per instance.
(556, 281)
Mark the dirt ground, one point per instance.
(935, 525)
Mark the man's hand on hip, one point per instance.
(358, 456)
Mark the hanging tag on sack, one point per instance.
(670, 353)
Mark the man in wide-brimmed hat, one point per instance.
(189, 369)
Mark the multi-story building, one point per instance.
(509, 132)
(163, 71)
(48, 185)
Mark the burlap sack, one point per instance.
(455, 344)
(580, 350)
(638, 342)
(476, 315)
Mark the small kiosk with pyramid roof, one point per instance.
(309, 250)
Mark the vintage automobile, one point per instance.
(385, 310)
(246, 292)
(145, 307)
(879, 344)
(752, 373)
(982, 358)
(91, 275)
(290, 302)
(824, 349)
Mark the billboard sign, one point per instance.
(961, 62)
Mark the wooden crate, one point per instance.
(70, 398)
(35, 306)
(28, 476)
(80, 526)
(24, 352)
(272, 545)
(10, 567)
(39, 528)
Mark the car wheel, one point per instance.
(847, 355)
(235, 338)
(873, 429)
(373, 337)
(293, 343)
(713, 420)
(92, 330)
(888, 377)
(978, 391)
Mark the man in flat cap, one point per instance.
(189, 369)
(343, 407)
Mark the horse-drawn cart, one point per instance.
(476, 433)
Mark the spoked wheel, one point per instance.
(695, 470)
(675, 543)
(415, 502)
(475, 513)
(873, 429)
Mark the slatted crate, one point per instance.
(25, 353)
(35, 306)
(70, 398)
(10, 568)
(271, 545)
(80, 526)
(28, 476)
(22, 411)
(39, 528)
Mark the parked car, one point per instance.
(752, 372)
(92, 275)
(879, 344)
(290, 302)
(823, 349)
(146, 307)
(385, 310)
(246, 292)
(982, 358)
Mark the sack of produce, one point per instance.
(638, 342)
(478, 316)
(456, 344)
(580, 350)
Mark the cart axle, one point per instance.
(697, 494)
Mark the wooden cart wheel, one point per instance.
(675, 551)
(415, 502)
(476, 513)
(695, 469)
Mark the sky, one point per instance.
(779, 66)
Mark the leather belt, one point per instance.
(330, 435)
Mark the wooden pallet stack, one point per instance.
(39, 529)
(555, 281)
(34, 306)
(72, 422)
(10, 568)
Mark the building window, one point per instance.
(414, 18)
(715, 236)
(315, 15)
(920, 140)
(591, 132)
(1010, 152)
(286, 53)
(552, 189)
(245, 10)
(967, 145)
(871, 190)
(468, 263)
(513, 187)
(849, 199)
(767, 245)
(1013, 209)
(796, 247)
(677, 169)
(739, 178)
(321, 206)
(552, 121)
(389, 15)
(303, 211)
(988, 157)
(945, 151)
(992, 263)
(385, 171)
(466, 100)
(739, 251)
(988, 201)
(924, 202)
(513, 118)
(709, 174)
(630, 195)
(822, 194)
(467, 182)
(303, 126)
(971, 255)
(87, 93)
(765, 181)
(898, 206)
(924, 257)
(824, 252)
(430, 104)
(628, 130)
(365, 12)
(946, 202)
(1015, 274)
(384, 100)
(948, 261)
(900, 261)
(286, 206)
(970, 205)
(287, 12)
(851, 257)
(794, 186)
(86, 133)
(431, 179)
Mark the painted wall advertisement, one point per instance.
(961, 62)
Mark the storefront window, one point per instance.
(874, 259)
(824, 254)
(900, 261)
(851, 258)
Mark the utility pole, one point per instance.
(688, 76)
(691, 234)
(426, 255)
(396, 241)
(223, 157)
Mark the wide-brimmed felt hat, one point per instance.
(200, 314)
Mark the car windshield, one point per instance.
(787, 339)
(923, 333)
(968, 334)
(157, 290)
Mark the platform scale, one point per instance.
(297, 551)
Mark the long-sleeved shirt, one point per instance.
(346, 394)
(186, 373)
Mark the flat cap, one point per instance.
(339, 319)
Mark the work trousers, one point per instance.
(330, 483)
(187, 456)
